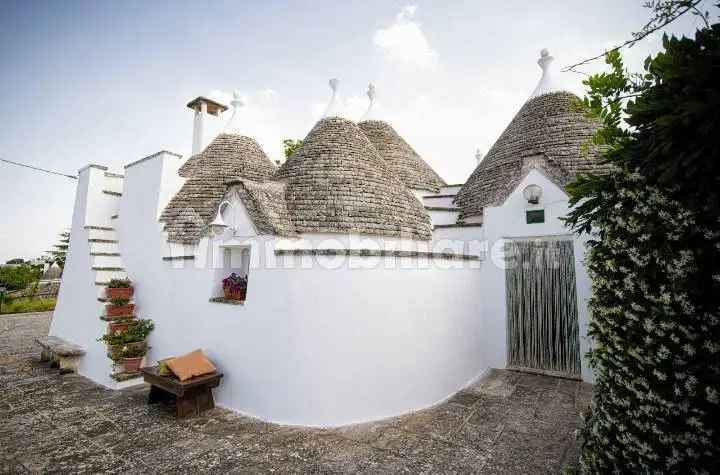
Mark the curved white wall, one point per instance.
(319, 341)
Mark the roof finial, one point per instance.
(233, 125)
(478, 155)
(369, 113)
(332, 109)
(546, 80)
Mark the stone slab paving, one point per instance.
(506, 423)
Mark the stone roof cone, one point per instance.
(412, 170)
(550, 132)
(229, 155)
(336, 182)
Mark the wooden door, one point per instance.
(542, 307)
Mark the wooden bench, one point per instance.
(191, 397)
(61, 353)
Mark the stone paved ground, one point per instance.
(507, 423)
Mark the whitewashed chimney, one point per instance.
(202, 107)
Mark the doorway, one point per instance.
(542, 315)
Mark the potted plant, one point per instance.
(119, 326)
(120, 307)
(235, 287)
(119, 288)
(131, 358)
(132, 339)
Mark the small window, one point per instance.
(235, 273)
(535, 216)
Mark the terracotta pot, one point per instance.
(120, 310)
(236, 294)
(132, 365)
(115, 318)
(118, 327)
(122, 292)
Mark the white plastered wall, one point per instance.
(509, 221)
(77, 314)
(319, 341)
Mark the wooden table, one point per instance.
(191, 396)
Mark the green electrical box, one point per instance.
(535, 216)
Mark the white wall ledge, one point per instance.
(161, 152)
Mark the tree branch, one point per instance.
(646, 31)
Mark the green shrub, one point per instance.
(25, 305)
(137, 331)
(120, 284)
(119, 301)
(654, 261)
(20, 276)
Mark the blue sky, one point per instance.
(107, 82)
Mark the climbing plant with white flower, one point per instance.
(653, 258)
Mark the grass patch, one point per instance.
(25, 304)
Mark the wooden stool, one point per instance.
(191, 396)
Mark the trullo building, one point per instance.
(374, 287)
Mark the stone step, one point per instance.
(438, 200)
(105, 233)
(105, 274)
(443, 215)
(104, 247)
(112, 193)
(450, 189)
(107, 259)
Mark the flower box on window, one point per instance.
(235, 287)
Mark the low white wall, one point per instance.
(443, 217)
(509, 221)
(319, 341)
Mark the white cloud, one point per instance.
(404, 41)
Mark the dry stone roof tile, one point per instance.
(413, 171)
(550, 132)
(194, 206)
(265, 203)
(337, 182)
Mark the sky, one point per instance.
(107, 82)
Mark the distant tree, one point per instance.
(59, 254)
(19, 277)
(290, 146)
(17, 260)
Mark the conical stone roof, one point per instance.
(195, 205)
(552, 132)
(413, 171)
(337, 182)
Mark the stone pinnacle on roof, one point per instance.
(336, 182)
(547, 82)
(400, 157)
(333, 107)
(370, 112)
(233, 126)
(551, 132)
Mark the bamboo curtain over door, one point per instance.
(542, 306)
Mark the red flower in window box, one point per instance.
(235, 287)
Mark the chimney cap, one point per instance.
(213, 107)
